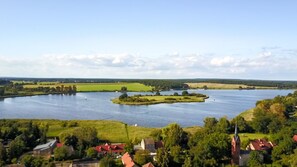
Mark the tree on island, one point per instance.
(124, 89)
(2, 91)
(158, 93)
(185, 93)
(123, 96)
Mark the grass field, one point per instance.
(113, 131)
(97, 87)
(161, 99)
(248, 114)
(222, 86)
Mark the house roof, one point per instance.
(127, 160)
(148, 165)
(116, 148)
(149, 141)
(159, 144)
(261, 144)
(59, 145)
(295, 138)
(46, 145)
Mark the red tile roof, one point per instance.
(127, 160)
(295, 138)
(148, 165)
(261, 144)
(59, 145)
(114, 148)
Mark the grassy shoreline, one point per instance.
(160, 99)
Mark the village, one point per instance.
(118, 152)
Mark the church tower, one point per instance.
(235, 150)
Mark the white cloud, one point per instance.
(266, 63)
(225, 61)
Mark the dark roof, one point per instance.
(159, 144)
(149, 141)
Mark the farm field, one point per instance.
(96, 87)
(223, 86)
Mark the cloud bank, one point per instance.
(270, 63)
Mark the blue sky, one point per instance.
(149, 39)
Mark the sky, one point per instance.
(247, 39)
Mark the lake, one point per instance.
(97, 106)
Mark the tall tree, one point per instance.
(255, 159)
(162, 158)
(142, 157)
(172, 135)
(2, 153)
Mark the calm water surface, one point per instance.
(97, 106)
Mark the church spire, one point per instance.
(236, 131)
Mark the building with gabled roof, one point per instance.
(128, 161)
(148, 165)
(45, 149)
(110, 148)
(260, 145)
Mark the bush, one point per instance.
(185, 93)
(170, 98)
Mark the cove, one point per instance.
(98, 106)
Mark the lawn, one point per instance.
(200, 85)
(112, 131)
(97, 87)
(160, 99)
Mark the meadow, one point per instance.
(201, 85)
(96, 87)
(108, 130)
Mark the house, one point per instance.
(128, 161)
(295, 138)
(148, 165)
(260, 145)
(45, 149)
(114, 149)
(148, 144)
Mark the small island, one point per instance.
(185, 97)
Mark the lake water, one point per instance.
(97, 106)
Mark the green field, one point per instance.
(248, 114)
(200, 85)
(161, 99)
(97, 87)
(113, 131)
